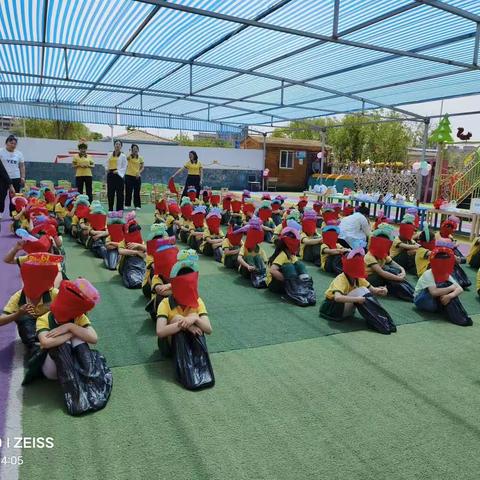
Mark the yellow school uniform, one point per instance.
(474, 249)
(324, 255)
(395, 249)
(18, 299)
(280, 260)
(370, 261)
(193, 168)
(422, 261)
(43, 322)
(60, 212)
(342, 285)
(478, 281)
(134, 166)
(304, 236)
(207, 234)
(50, 207)
(169, 220)
(253, 253)
(168, 308)
(227, 245)
(83, 165)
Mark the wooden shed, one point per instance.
(290, 160)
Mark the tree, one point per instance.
(356, 138)
(184, 139)
(54, 129)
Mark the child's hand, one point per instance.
(186, 322)
(401, 275)
(161, 289)
(195, 330)
(132, 246)
(19, 245)
(27, 309)
(251, 268)
(61, 330)
(381, 291)
(360, 300)
(445, 299)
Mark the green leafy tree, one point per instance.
(54, 129)
(356, 138)
(186, 140)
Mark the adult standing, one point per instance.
(195, 173)
(355, 229)
(116, 168)
(133, 178)
(83, 164)
(13, 178)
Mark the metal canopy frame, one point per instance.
(165, 101)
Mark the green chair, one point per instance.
(47, 183)
(158, 190)
(146, 191)
(98, 190)
(64, 184)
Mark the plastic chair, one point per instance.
(47, 183)
(30, 183)
(146, 191)
(98, 190)
(64, 184)
(158, 190)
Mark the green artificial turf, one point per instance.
(242, 317)
(354, 406)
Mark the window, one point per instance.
(286, 159)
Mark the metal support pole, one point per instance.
(323, 133)
(264, 157)
(424, 153)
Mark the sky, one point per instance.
(471, 123)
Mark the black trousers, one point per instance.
(132, 185)
(4, 187)
(192, 181)
(81, 182)
(115, 187)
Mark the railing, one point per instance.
(468, 183)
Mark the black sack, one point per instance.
(192, 362)
(461, 277)
(84, 377)
(98, 248)
(402, 290)
(375, 315)
(455, 311)
(457, 314)
(308, 290)
(333, 264)
(296, 292)
(218, 254)
(259, 279)
(111, 258)
(133, 271)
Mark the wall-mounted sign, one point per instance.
(302, 155)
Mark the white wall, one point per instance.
(45, 150)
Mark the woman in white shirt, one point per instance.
(116, 167)
(355, 229)
(13, 172)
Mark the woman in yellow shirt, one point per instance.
(116, 167)
(133, 179)
(195, 173)
(83, 164)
